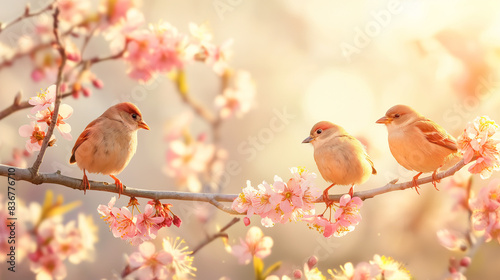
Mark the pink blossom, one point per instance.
(264, 199)
(289, 194)
(485, 209)
(479, 140)
(390, 269)
(169, 48)
(114, 12)
(237, 99)
(452, 240)
(255, 244)
(148, 223)
(187, 159)
(347, 215)
(119, 32)
(182, 259)
(36, 134)
(206, 51)
(43, 99)
(362, 271)
(125, 226)
(243, 203)
(322, 225)
(65, 111)
(73, 11)
(148, 264)
(49, 266)
(106, 212)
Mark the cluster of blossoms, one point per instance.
(279, 202)
(294, 200)
(187, 157)
(485, 209)
(44, 239)
(345, 218)
(162, 48)
(254, 245)
(140, 227)
(42, 113)
(381, 267)
(172, 262)
(57, 242)
(480, 140)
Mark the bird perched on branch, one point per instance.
(341, 158)
(108, 143)
(418, 143)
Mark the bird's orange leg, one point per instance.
(325, 196)
(435, 179)
(118, 184)
(351, 190)
(85, 183)
(415, 185)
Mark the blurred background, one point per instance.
(342, 61)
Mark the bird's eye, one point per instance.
(319, 131)
(134, 116)
(397, 116)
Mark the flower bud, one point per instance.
(297, 274)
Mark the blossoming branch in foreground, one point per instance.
(43, 108)
(282, 202)
(485, 209)
(172, 262)
(254, 245)
(480, 139)
(140, 227)
(381, 267)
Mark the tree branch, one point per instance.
(27, 14)
(36, 165)
(220, 234)
(215, 199)
(18, 105)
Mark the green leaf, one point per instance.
(271, 269)
(258, 266)
(182, 83)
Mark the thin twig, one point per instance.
(36, 165)
(17, 105)
(27, 14)
(220, 234)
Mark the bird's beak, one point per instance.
(308, 140)
(384, 120)
(144, 125)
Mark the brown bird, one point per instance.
(108, 143)
(341, 158)
(418, 143)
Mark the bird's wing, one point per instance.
(82, 138)
(436, 134)
(374, 171)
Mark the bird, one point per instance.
(341, 158)
(108, 143)
(417, 143)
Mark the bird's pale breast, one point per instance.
(107, 151)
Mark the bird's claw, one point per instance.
(85, 183)
(415, 184)
(118, 184)
(435, 180)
